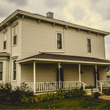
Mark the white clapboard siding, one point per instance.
(7, 40)
(42, 37)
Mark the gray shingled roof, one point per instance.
(66, 57)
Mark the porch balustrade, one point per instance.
(54, 85)
(106, 83)
(103, 84)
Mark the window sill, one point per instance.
(15, 45)
(14, 80)
(1, 81)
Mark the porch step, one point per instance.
(94, 90)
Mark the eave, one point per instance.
(20, 13)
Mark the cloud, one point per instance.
(78, 13)
(56, 3)
(102, 7)
(18, 2)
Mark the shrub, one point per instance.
(96, 95)
(106, 91)
(19, 94)
(5, 90)
(24, 94)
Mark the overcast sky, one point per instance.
(92, 13)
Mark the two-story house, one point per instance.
(50, 54)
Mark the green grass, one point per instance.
(74, 103)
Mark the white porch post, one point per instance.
(79, 72)
(34, 75)
(96, 74)
(59, 73)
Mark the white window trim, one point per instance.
(62, 40)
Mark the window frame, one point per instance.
(89, 47)
(14, 70)
(15, 32)
(1, 71)
(57, 40)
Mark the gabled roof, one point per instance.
(22, 13)
(65, 58)
(3, 54)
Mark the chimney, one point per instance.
(49, 15)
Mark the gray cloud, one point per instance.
(102, 7)
(18, 2)
(56, 3)
(78, 13)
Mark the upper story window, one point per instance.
(89, 45)
(15, 35)
(4, 42)
(59, 40)
(1, 70)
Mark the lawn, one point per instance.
(74, 103)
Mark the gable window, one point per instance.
(59, 41)
(14, 70)
(14, 35)
(89, 45)
(1, 70)
(4, 42)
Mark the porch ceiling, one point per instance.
(55, 58)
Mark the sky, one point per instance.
(90, 13)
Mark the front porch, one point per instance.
(47, 77)
(47, 72)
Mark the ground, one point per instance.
(74, 103)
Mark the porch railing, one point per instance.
(99, 85)
(103, 84)
(54, 85)
(106, 83)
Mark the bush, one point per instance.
(24, 94)
(19, 94)
(5, 90)
(106, 91)
(96, 95)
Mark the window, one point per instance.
(14, 70)
(1, 70)
(59, 41)
(4, 42)
(89, 45)
(14, 35)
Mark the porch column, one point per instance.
(59, 73)
(96, 74)
(79, 72)
(34, 75)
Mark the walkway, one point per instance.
(105, 97)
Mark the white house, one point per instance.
(50, 54)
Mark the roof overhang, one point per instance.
(23, 14)
(61, 61)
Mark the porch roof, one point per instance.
(64, 58)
